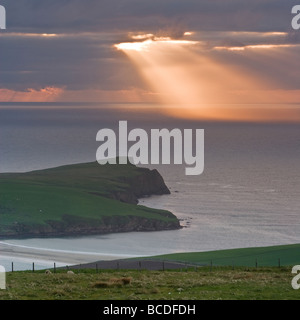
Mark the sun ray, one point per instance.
(193, 84)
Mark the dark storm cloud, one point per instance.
(103, 15)
(74, 62)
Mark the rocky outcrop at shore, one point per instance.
(71, 226)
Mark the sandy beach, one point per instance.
(78, 259)
(62, 257)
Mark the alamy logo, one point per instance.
(2, 278)
(296, 19)
(137, 147)
(295, 280)
(2, 18)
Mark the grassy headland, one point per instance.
(81, 199)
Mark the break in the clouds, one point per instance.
(64, 50)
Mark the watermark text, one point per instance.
(163, 146)
(296, 18)
(2, 278)
(295, 283)
(2, 17)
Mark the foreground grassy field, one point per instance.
(203, 283)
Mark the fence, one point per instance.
(152, 264)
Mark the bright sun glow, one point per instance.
(135, 46)
(190, 83)
(145, 45)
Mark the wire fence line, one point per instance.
(148, 264)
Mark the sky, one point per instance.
(196, 55)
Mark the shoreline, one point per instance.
(26, 255)
(65, 257)
(275, 255)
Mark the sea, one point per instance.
(247, 196)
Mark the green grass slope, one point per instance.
(284, 255)
(201, 284)
(75, 200)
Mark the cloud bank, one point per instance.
(64, 50)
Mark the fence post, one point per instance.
(54, 270)
(256, 263)
(211, 265)
(32, 266)
(12, 267)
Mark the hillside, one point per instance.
(81, 199)
(281, 255)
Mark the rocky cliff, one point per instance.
(72, 226)
(148, 182)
